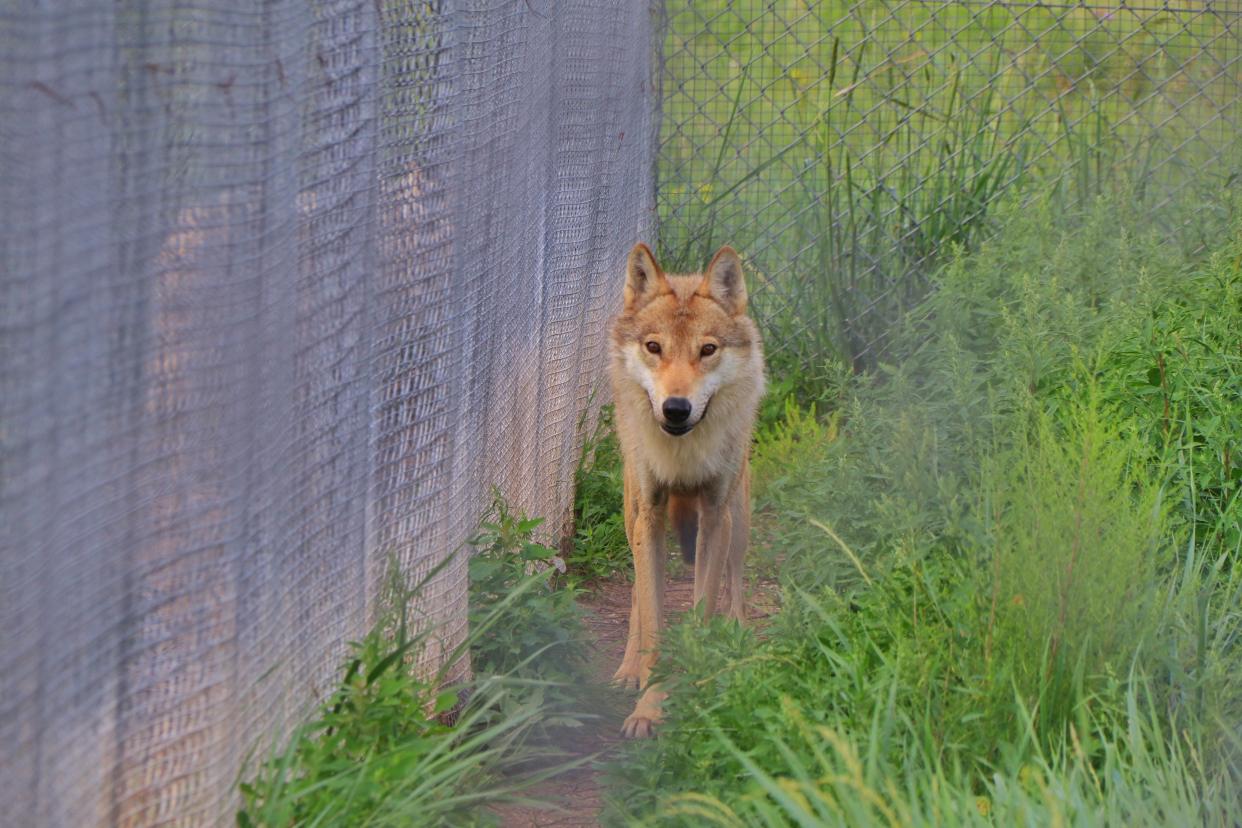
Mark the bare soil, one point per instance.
(575, 796)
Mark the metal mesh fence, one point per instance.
(846, 145)
(284, 289)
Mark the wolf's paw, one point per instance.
(638, 727)
(646, 714)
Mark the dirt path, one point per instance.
(578, 791)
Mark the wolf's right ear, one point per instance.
(644, 280)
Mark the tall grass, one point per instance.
(846, 148)
(1137, 775)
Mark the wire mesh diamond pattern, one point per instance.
(847, 146)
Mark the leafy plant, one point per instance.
(536, 634)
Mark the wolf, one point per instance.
(687, 376)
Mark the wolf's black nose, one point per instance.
(677, 409)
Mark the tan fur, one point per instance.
(705, 470)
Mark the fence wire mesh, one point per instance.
(846, 145)
(284, 289)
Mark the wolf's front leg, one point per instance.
(649, 558)
(627, 674)
(647, 713)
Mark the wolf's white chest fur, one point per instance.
(684, 461)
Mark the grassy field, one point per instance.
(845, 147)
(1011, 562)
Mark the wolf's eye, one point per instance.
(653, 347)
(708, 350)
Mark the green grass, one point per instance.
(845, 148)
(1009, 559)
(393, 744)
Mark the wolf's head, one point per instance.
(686, 339)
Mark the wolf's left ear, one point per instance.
(723, 281)
(643, 278)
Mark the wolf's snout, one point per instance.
(677, 410)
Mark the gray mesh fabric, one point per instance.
(285, 288)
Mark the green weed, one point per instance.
(392, 744)
(379, 751)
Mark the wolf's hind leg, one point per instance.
(715, 524)
(683, 514)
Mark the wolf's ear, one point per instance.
(644, 280)
(723, 281)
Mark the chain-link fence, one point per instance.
(845, 145)
(285, 288)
